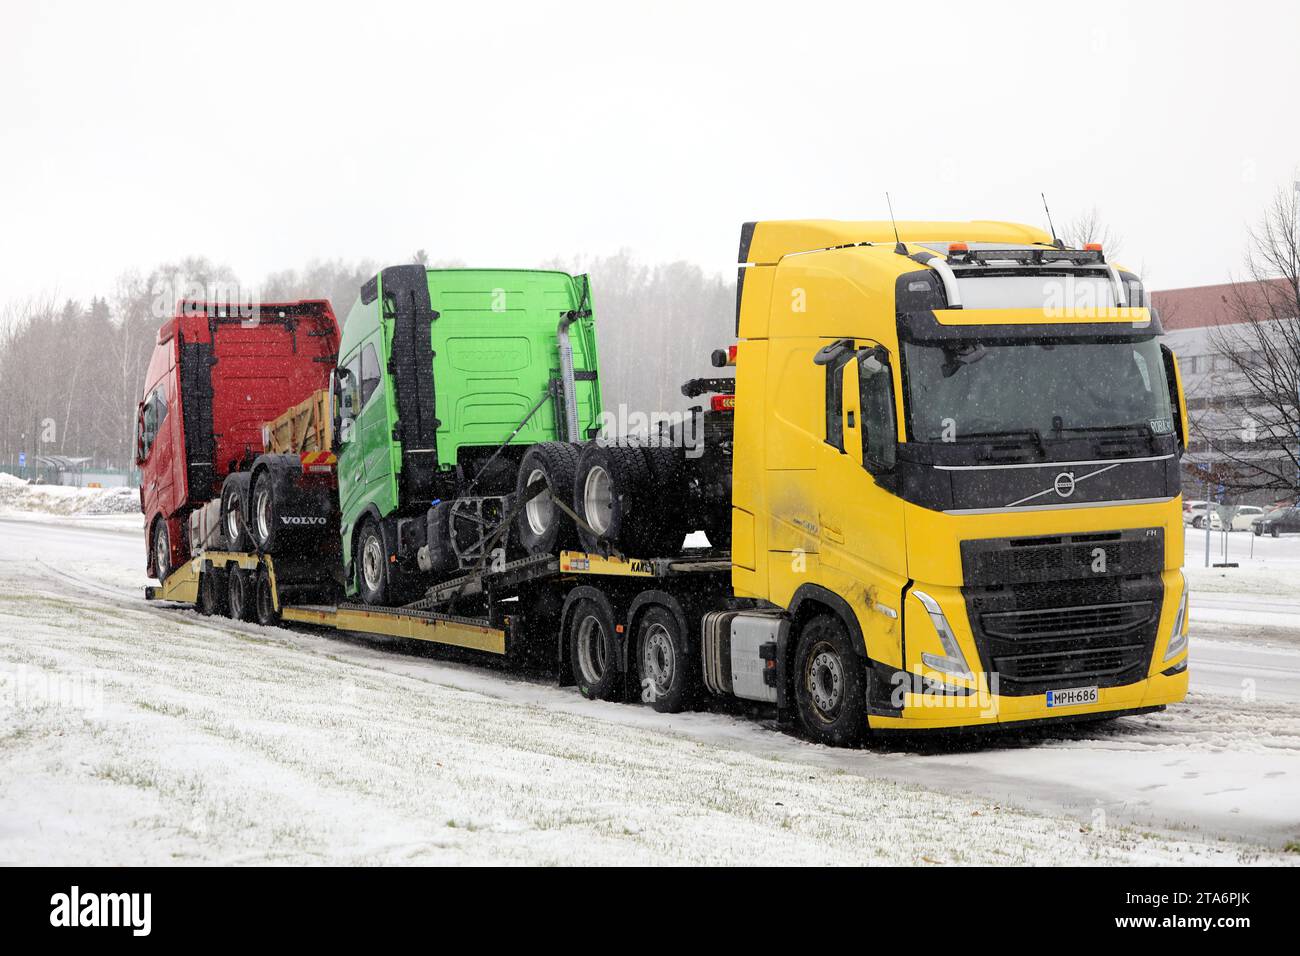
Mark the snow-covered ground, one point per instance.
(132, 733)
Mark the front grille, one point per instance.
(1062, 558)
(1071, 665)
(1037, 635)
(1068, 621)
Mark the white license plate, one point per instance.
(1071, 696)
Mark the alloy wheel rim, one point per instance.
(540, 512)
(657, 659)
(824, 679)
(597, 500)
(591, 648)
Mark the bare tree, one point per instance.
(1257, 418)
(1090, 227)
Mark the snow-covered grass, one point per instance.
(89, 507)
(132, 733)
(196, 741)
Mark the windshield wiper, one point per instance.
(1120, 432)
(1023, 435)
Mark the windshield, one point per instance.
(968, 390)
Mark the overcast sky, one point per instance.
(264, 135)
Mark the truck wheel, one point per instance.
(665, 667)
(592, 651)
(234, 501)
(541, 527)
(161, 545)
(212, 593)
(1259, 532)
(1273, 531)
(610, 491)
(373, 579)
(240, 595)
(267, 615)
(829, 683)
(264, 512)
(668, 525)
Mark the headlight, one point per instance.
(1177, 639)
(952, 661)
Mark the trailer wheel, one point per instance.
(267, 615)
(212, 593)
(610, 493)
(541, 527)
(829, 683)
(234, 500)
(240, 592)
(592, 651)
(265, 518)
(161, 546)
(667, 676)
(373, 578)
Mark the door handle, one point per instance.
(831, 533)
(357, 476)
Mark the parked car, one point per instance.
(1194, 515)
(1284, 520)
(1243, 519)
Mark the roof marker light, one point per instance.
(958, 247)
(1092, 247)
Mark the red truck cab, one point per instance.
(217, 374)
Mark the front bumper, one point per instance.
(937, 710)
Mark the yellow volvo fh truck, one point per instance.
(940, 490)
(957, 453)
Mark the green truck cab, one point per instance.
(446, 378)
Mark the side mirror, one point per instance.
(139, 434)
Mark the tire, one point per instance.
(160, 548)
(1198, 523)
(213, 593)
(592, 651)
(541, 527)
(1259, 532)
(264, 606)
(264, 512)
(611, 492)
(234, 512)
(374, 580)
(1274, 532)
(829, 683)
(664, 664)
(669, 525)
(239, 588)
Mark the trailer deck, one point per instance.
(428, 619)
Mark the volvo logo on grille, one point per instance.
(1064, 484)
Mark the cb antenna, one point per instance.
(898, 243)
(1055, 241)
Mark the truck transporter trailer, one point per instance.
(941, 489)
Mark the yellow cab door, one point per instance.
(863, 553)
